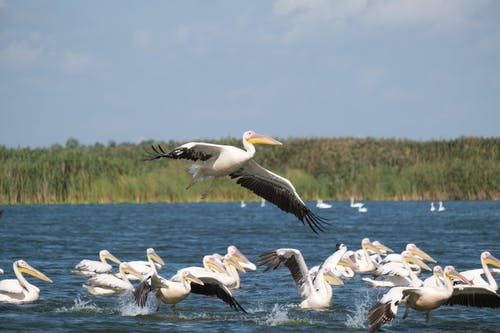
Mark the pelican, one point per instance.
(222, 160)
(20, 291)
(432, 209)
(315, 290)
(413, 249)
(144, 267)
(263, 202)
(362, 209)
(421, 299)
(243, 204)
(173, 292)
(395, 274)
(476, 275)
(322, 205)
(366, 264)
(242, 263)
(356, 204)
(110, 284)
(441, 207)
(88, 267)
(1, 271)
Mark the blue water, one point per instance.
(53, 238)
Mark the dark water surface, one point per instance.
(53, 238)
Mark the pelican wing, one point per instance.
(292, 259)
(213, 287)
(474, 296)
(278, 190)
(142, 291)
(189, 151)
(386, 308)
(11, 286)
(108, 281)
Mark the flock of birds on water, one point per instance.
(218, 276)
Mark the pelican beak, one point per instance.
(452, 273)
(491, 260)
(112, 258)
(192, 278)
(332, 279)
(215, 265)
(34, 272)
(418, 262)
(346, 261)
(257, 138)
(236, 264)
(422, 254)
(130, 270)
(370, 246)
(156, 258)
(243, 260)
(384, 248)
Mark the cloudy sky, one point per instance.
(125, 71)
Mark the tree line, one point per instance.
(466, 168)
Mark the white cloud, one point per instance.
(20, 54)
(74, 63)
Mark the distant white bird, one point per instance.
(243, 204)
(433, 209)
(322, 205)
(441, 207)
(362, 209)
(263, 202)
(356, 204)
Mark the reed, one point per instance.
(466, 168)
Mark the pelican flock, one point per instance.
(222, 160)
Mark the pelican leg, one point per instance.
(210, 188)
(197, 173)
(407, 308)
(427, 315)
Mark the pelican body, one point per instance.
(222, 160)
(144, 267)
(20, 291)
(110, 284)
(88, 267)
(316, 291)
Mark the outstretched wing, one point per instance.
(474, 296)
(141, 292)
(277, 190)
(213, 287)
(189, 151)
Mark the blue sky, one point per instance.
(184, 70)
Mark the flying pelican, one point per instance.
(88, 267)
(441, 207)
(144, 267)
(20, 291)
(396, 274)
(421, 299)
(316, 291)
(173, 292)
(222, 160)
(322, 205)
(110, 284)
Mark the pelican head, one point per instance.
(409, 257)
(188, 277)
(330, 277)
(151, 254)
(384, 249)
(105, 254)
(346, 261)
(450, 272)
(437, 271)
(126, 268)
(230, 260)
(236, 254)
(256, 138)
(367, 245)
(489, 259)
(212, 263)
(413, 249)
(23, 267)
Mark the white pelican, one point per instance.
(322, 205)
(222, 160)
(475, 276)
(356, 204)
(432, 209)
(421, 299)
(413, 249)
(441, 207)
(88, 267)
(144, 267)
(173, 292)
(395, 274)
(263, 202)
(315, 290)
(366, 264)
(20, 291)
(362, 209)
(243, 204)
(1, 271)
(110, 284)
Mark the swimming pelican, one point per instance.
(421, 299)
(322, 205)
(263, 202)
(395, 274)
(441, 207)
(110, 284)
(356, 204)
(413, 249)
(432, 207)
(88, 267)
(476, 275)
(362, 209)
(222, 160)
(144, 267)
(20, 291)
(316, 291)
(366, 264)
(243, 204)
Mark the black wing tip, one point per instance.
(155, 153)
(315, 222)
(141, 293)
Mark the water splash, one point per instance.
(359, 317)
(127, 307)
(277, 316)
(82, 306)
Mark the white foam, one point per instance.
(81, 305)
(359, 317)
(277, 316)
